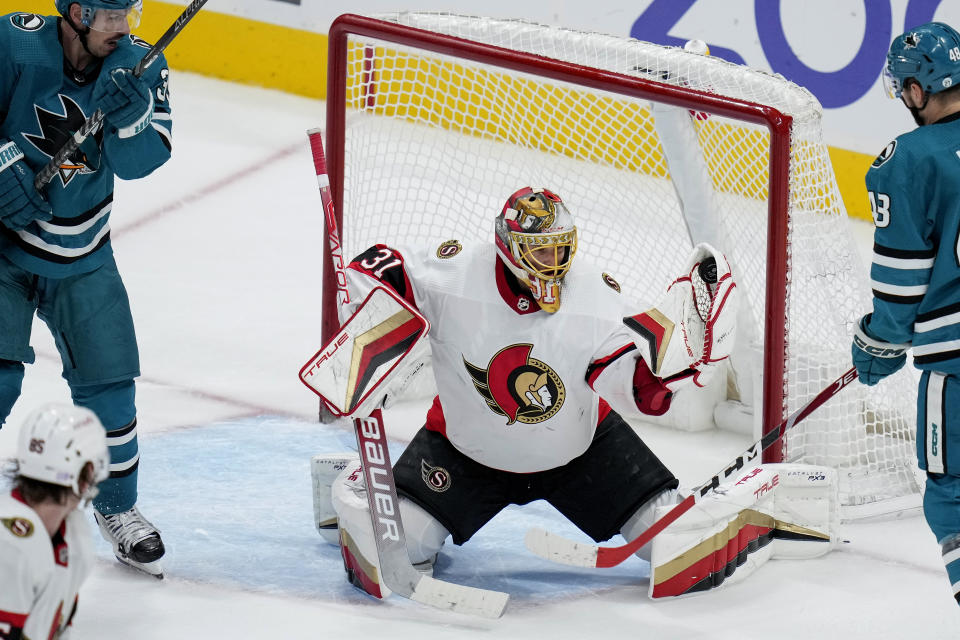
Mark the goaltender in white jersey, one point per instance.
(45, 543)
(535, 356)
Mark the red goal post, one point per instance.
(375, 65)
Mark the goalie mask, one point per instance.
(536, 239)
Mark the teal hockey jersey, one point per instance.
(43, 101)
(914, 190)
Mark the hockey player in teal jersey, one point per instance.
(55, 255)
(914, 189)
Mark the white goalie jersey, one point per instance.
(519, 389)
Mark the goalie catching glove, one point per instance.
(691, 330)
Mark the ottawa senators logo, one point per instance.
(437, 478)
(517, 386)
(611, 282)
(20, 527)
(449, 249)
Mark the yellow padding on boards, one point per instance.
(250, 52)
(232, 48)
(851, 169)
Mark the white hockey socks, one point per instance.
(769, 511)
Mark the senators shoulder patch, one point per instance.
(449, 249)
(20, 527)
(611, 282)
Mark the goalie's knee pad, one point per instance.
(424, 534)
(645, 516)
(772, 510)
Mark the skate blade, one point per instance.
(152, 569)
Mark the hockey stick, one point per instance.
(333, 237)
(92, 124)
(558, 549)
(396, 570)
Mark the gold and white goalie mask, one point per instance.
(536, 239)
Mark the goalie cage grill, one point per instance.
(433, 118)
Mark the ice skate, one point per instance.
(136, 543)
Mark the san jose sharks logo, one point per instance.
(27, 21)
(56, 129)
(517, 386)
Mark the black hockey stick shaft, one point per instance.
(92, 124)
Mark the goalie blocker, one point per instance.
(352, 371)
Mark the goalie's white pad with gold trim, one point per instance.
(349, 372)
(348, 497)
(324, 469)
(769, 511)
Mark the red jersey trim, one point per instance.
(15, 620)
(508, 287)
(435, 420)
(597, 366)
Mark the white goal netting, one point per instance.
(434, 139)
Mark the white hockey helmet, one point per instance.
(57, 441)
(537, 239)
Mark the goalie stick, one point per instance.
(396, 570)
(559, 549)
(92, 124)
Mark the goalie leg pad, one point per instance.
(644, 517)
(324, 469)
(773, 510)
(424, 534)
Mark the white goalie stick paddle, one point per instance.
(92, 124)
(559, 549)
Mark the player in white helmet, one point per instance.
(45, 543)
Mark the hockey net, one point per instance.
(433, 119)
